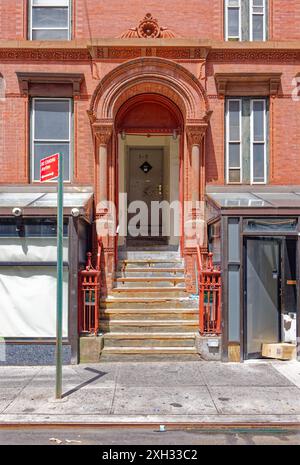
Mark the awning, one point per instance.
(253, 199)
(40, 200)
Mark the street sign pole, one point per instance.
(59, 295)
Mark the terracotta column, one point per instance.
(103, 135)
(195, 136)
(104, 217)
(194, 217)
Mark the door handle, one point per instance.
(275, 274)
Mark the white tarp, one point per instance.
(28, 302)
(30, 249)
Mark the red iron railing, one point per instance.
(90, 294)
(210, 285)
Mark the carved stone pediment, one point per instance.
(148, 28)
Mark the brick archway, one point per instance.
(150, 75)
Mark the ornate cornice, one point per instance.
(253, 55)
(127, 52)
(128, 48)
(40, 54)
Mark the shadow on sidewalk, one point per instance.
(99, 374)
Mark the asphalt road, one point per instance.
(112, 436)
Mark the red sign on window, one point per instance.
(49, 168)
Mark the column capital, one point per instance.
(195, 133)
(103, 132)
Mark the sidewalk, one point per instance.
(153, 393)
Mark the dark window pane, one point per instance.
(33, 227)
(44, 18)
(42, 150)
(271, 224)
(258, 27)
(50, 34)
(234, 120)
(233, 240)
(258, 120)
(51, 119)
(234, 155)
(234, 175)
(234, 303)
(233, 22)
(258, 163)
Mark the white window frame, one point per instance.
(228, 141)
(252, 142)
(49, 4)
(227, 7)
(251, 14)
(33, 140)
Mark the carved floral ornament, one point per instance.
(103, 132)
(195, 133)
(148, 28)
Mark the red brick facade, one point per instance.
(181, 65)
(197, 24)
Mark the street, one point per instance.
(149, 436)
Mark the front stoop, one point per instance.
(149, 314)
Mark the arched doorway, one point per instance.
(138, 98)
(148, 165)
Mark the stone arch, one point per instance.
(150, 75)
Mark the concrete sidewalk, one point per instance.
(153, 393)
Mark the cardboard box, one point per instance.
(234, 352)
(280, 351)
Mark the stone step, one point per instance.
(149, 357)
(150, 281)
(151, 272)
(149, 325)
(148, 351)
(149, 339)
(152, 302)
(162, 255)
(149, 291)
(149, 313)
(127, 264)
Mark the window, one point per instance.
(257, 20)
(51, 122)
(246, 140)
(233, 19)
(234, 168)
(246, 20)
(258, 141)
(49, 20)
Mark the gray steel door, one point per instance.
(146, 184)
(263, 277)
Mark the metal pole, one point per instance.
(59, 295)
